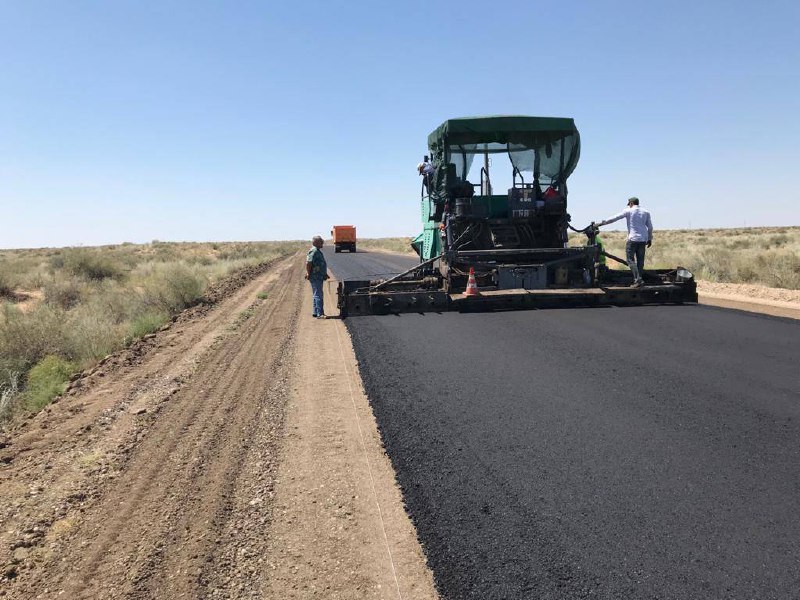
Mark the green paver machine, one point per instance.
(515, 243)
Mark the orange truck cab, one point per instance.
(344, 238)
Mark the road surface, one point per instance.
(645, 452)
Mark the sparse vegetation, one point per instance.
(62, 309)
(46, 380)
(6, 288)
(145, 323)
(244, 315)
(90, 264)
(400, 245)
(262, 295)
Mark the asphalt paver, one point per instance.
(641, 452)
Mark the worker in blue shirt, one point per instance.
(316, 273)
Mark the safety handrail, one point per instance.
(488, 179)
(514, 174)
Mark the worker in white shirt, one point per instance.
(426, 170)
(640, 236)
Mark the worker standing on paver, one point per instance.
(640, 236)
(317, 273)
(426, 171)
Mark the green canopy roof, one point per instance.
(506, 129)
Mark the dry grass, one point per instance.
(84, 303)
(400, 245)
(766, 255)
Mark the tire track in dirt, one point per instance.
(212, 483)
(53, 467)
(154, 535)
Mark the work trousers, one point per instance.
(427, 179)
(634, 253)
(316, 295)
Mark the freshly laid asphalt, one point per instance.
(626, 453)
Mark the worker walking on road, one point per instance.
(316, 273)
(640, 236)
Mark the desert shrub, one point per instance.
(201, 260)
(91, 265)
(165, 251)
(118, 302)
(173, 288)
(63, 293)
(782, 269)
(46, 380)
(34, 279)
(739, 244)
(6, 289)
(27, 337)
(245, 251)
(779, 240)
(145, 323)
(91, 333)
(57, 261)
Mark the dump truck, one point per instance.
(514, 243)
(344, 238)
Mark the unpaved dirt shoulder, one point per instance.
(340, 529)
(752, 298)
(60, 464)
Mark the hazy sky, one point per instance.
(196, 120)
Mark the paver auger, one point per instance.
(516, 243)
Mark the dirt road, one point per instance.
(232, 455)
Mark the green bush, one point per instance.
(146, 323)
(45, 381)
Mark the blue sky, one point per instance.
(177, 120)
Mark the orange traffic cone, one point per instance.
(472, 286)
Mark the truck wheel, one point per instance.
(337, 250)
(354, 248)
